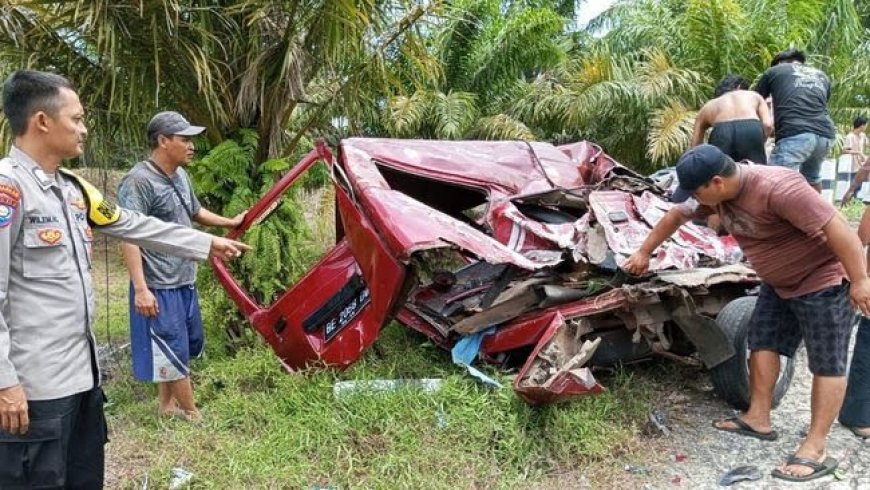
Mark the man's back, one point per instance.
(740, 121)
(800, 99)
(734, 105)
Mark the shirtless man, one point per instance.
(740, 119)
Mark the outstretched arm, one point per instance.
(207, 218)
(638, 263)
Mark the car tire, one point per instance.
(731, 378)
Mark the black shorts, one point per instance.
(64, 447)
(823, 320)
(741, 139)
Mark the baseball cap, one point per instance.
(696, 167)
(170, 123)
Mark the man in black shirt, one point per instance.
(804, 130)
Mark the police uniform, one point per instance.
(47, 313)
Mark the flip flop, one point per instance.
(862, 432)
(826, 467)
(745, 429)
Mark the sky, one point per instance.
(590, 9)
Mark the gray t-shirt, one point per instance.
(148, 191)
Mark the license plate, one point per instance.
(346, 315)
(339, 310)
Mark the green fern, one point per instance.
(228, 182)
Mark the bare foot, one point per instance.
(193, 416)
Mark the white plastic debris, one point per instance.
(180, 478)
(427, 385)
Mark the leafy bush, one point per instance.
(228, 182)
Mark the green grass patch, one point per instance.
(111, 284)
(266, 428)
(853, 210)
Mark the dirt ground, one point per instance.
(695, 455)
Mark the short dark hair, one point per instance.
(27, 92)
(729, 169)
(730, 82)
(859, 121)
(788, 56)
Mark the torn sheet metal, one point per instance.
(707, 276)
(453, 238)
(556, 370)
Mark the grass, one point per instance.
(853, 211)
(268, 429)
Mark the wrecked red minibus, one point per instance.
(522, 242)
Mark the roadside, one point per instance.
(268, 429)
(695, 455)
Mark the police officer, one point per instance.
(52, 426)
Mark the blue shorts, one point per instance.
(804, 152)
(162, 346)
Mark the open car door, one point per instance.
(335, 311)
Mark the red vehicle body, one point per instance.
(453, 238)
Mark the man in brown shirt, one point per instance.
(803, 251)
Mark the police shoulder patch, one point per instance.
(101, 211)
(10, 197)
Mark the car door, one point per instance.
(335, 311)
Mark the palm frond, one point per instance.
(500, 127)
(454, 113)
(670, 133)
(404, 116)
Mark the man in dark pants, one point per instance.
(803, 251)
(803, 129)
(52, 426)
(855, 414)
(740, 120)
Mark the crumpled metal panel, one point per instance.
(410, 226)
(709, 276)
(511, 227)
(385, 227)
(563, 386)
(508, 167)
(627, 220)
(699, 238)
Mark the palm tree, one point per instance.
(228, 65)
(484, 47)
(646, 66)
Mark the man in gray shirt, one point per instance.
(803, 128)
(52, 426)
(165, 322)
